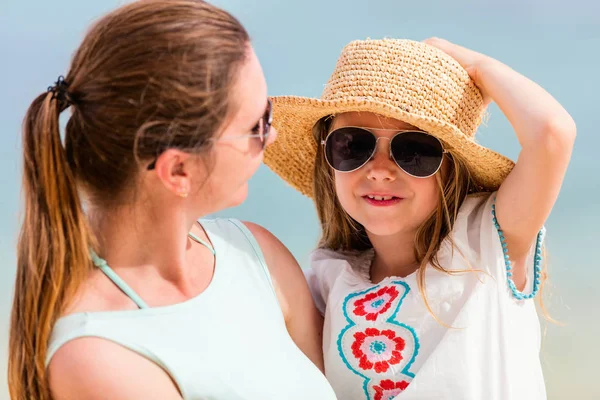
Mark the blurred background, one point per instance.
(555, 43)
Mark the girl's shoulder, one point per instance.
(475, 204)
(474, 217)
(324, 261)
(329, 266)
(473, 238)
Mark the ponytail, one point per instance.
(52, 256)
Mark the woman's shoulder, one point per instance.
(84, 368)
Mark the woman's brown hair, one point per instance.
(151, 75)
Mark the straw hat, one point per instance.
(402, 79)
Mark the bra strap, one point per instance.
(202, 242)
(120, 283)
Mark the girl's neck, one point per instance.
(394, 256)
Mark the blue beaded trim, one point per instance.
(537, 261)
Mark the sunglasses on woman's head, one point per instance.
(417, 153)
(260, 131)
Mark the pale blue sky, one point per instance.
(555, 43)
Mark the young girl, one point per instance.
(126, 294)
(430, 255)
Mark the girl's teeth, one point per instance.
(380, 198)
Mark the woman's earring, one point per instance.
(181, 192)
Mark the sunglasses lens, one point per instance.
(347, 149)
(417, 153)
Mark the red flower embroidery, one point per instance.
(387, 389)
(375, 303)
(377, 349)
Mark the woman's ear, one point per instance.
(173, 167)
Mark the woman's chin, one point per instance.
(239, 196)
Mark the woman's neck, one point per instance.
(151, 242)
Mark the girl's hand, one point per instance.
(470, 60)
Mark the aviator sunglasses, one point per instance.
(417, 153)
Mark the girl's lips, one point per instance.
(382, 203)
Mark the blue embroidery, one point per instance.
(378, 347)
(377, 304)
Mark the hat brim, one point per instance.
(292, 155)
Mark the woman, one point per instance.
(120, 293)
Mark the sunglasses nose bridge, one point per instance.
(389, 146)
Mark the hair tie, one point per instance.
(61, 93)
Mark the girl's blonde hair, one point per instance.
(340, 232)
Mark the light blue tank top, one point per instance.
(230, 342)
